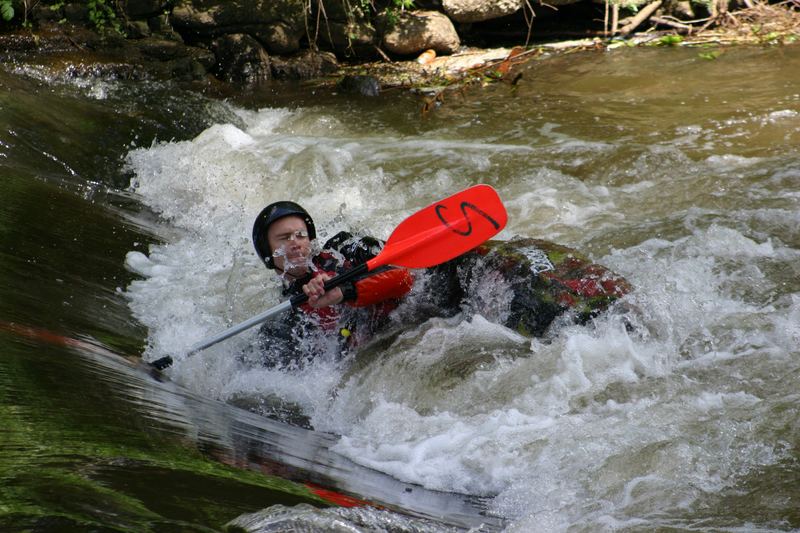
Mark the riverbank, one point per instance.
(224, 50)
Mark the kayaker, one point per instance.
(284, 236)
(524, 284)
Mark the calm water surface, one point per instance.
(124, 225)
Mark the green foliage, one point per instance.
(713, 54)
(395, 8)
(670, 40)
(630, 6)
(6, 10)
(363, 7)
(102, 15)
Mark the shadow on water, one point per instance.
(682, 172)
(134, 449)
(89, 441)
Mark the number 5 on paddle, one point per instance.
(440, 232)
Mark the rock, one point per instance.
(137, 29)
(340, 10)
(349, 38)
(363, 85)
(306, 65)
(479, 10)
(161, 25)
(240, 59)
(212, 16)
(278, 38)
(418, 31)
(76, 13)
(683, 10)
(139, 9)
(162, 49)
(42, 13)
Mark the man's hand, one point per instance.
(317, 297)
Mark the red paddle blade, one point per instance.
(444, 230)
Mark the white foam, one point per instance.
(594, 427)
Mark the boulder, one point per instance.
(349, 38)
(137, 29)
(359, 84)
(240, 59)
(161, 25)
(278, 38)
(138, 9)
(214, 17)
(417, 31)
(306, 65)
(478, 10)
(340, 10)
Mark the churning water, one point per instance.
(679, 173)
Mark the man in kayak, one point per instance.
(525, 284)
(284, 238)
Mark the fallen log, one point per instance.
(645, 13)
(675, 25)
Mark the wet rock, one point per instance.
(44, 13)
(418, 31)
(363, 85)
(76, 13)
(161, 25)
(167, 50)
(240, 59)
(306, 65)
(479, 10)
(137, 29)
(105, 71)
(45, 42)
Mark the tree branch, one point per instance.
(640, 17)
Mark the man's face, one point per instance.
(291, 247)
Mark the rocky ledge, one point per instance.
(363, 45)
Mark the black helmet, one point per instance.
(270, 214)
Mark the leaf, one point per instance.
(670, 40)
(710, 55)
(6, 11)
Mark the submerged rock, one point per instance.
(363, 85)
(241, 59)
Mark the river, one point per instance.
(125, 235)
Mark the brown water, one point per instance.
(679, 172)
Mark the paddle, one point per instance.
(440, 232)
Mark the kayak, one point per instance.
(526, 284)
